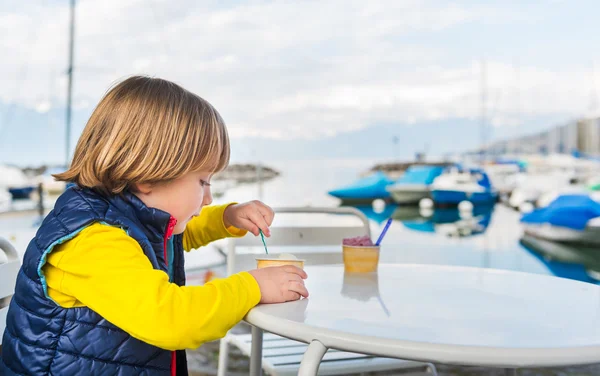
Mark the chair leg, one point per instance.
(223, 357)
(256, 352)
(431, 369)
(312, 359)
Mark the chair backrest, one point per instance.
(8, 278)
(306, 236)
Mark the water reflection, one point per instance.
(450, 221)
(564, 260)
(377, 216)
(363, 287)
(447, 221)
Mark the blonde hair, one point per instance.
(147, 130)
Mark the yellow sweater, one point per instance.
(106, 270)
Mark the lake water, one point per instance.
(495, 232)
(491, 239)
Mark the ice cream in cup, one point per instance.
(360, 255)
(282, 259)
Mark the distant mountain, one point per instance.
(378, 141)
(31, 138)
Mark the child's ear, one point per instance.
(143, 188)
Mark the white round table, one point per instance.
(444, 314)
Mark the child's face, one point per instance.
(182, 198)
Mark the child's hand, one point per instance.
(249, 216)
(280, 284)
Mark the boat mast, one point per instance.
(70, 84)
(483, 113)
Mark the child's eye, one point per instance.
(204, 183)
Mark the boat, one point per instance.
(505, 174)
(395, 170)
(549, 176)
(549, 196)
(458, 184)
(594, 185)
(530, 187)
(365, 189)
(16, 182)
(414, 184)
(5, 200)
(50, 185)
(21, 193)
(571, 218)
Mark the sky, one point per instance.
(287, 71)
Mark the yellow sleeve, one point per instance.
(106, 270)
(208, 227)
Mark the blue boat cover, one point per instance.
(420, 175)
(482, 178)
(372, 186)
(571, 211)
(522, 164)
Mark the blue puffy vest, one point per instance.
(43, 338)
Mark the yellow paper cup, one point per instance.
(360, 259)
(265, 262)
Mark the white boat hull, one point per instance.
(590, 235)
(409, 193)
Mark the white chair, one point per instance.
(282, 356)
(317, 244)
(8, 278)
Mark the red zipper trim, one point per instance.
(173, 364)
(168, 234)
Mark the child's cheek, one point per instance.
(180, 228)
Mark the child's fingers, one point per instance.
(295, 270)
(290, 296)
(260, 222)
(267, 213)
(295, 278)
(249, 225)
(299, 288)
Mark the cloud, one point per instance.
(283, 69)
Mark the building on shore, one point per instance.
(581, 136)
